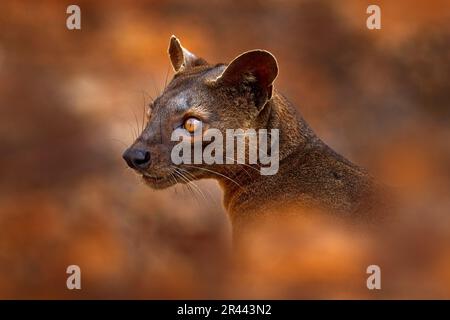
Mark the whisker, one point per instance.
(149, 96)
(143, 113)
(187, 174)
(188, 186)
(167, 77)
(137, 123)
(120, 141)
(217, 173)
(244, 164)
(131, 128)
(155, 87)
(188, 181)
(175, 182)
(174, 178)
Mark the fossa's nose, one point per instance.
(137, 158)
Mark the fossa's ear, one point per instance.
(257, 68)
(181, 58)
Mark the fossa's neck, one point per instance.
(294, 135)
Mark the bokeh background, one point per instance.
(70, 102)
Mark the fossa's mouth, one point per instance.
(178, 175)
(158, 182)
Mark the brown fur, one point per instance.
(311, 175)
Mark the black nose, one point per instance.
(137, 158)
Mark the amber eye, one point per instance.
(192, 124)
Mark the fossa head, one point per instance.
(199, 97)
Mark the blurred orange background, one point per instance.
(72, 100)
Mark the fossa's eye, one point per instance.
(192, 124)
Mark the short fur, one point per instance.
(241, 95)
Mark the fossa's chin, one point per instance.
(158, 182)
